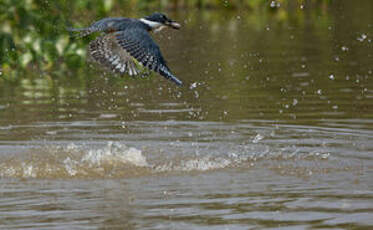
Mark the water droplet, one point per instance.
(52, 132)
(196, 94)
(362, 37)
(258, 138)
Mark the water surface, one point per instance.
(273, 130)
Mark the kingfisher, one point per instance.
(126, 44)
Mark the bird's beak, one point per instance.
(174, 25)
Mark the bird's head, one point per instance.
(158, 20)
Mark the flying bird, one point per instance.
(126, 44)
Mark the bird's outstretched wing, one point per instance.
(140, 45)
(118, 50)
(107, 52)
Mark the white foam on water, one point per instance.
(112, 160)
(237, 160)
(197, 164)
(71, 166)
(115, 152)
(210, 162)
(28, 170)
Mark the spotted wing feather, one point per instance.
(105, 51)
(139, 44)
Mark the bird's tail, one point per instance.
(165, 72)
(82, 32)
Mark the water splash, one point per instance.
(258, 138)
(195, 164)
(115, 153)
(116, 160)
(362, 37)
(113, 160)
